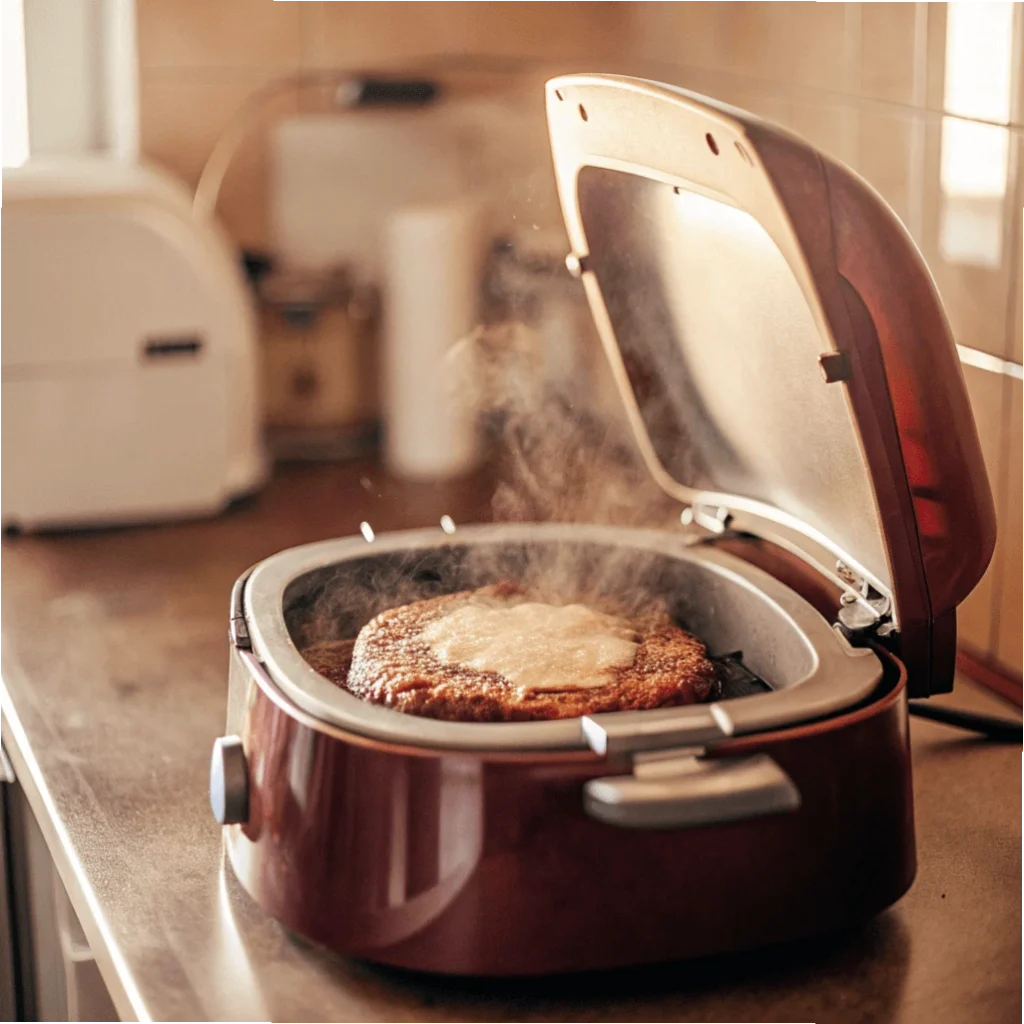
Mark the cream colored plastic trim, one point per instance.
(647, 129)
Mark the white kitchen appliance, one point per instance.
(129, 351)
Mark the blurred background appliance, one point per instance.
(129, 355)
(367, 146)
(386, 197)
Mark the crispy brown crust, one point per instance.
(390, 664)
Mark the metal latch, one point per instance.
(863, 612)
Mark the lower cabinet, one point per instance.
(47, 970)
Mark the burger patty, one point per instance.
(393, 663)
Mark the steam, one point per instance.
(562, 459)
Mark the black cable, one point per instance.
(1001, 730)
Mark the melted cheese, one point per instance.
(533, 645)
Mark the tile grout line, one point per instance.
(1014, 252)
(918, 128)
(853, 45)
(1010, 372)
(1002, 499)
(815, 94)
(310, 29)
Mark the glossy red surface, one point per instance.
(480, 864)
(953, 509)
(907, 392)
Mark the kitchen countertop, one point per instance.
(114, 680)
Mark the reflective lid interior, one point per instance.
(715, 332)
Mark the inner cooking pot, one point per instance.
(330, 590)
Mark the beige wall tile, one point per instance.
(560, 31)
(976, 618)
(767, 103)
(363, 34)
(802, 44)
(724, 86)
(1015, 230)
(798, 43)
(865, 49)
(358, 34)
(887, 41)
(251, 34)
(977, 303)
(1009, 612)
(884, 157)
(311, 27)
(976, 297)
(936, 48)
(181, 120)
(680, 33)
(256, 34)
(820, 124)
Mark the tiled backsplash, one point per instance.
(198, 61)
(867, 83)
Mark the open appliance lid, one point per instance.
(753, 364)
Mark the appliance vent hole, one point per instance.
(583, 112)
(712, 145)
(558, 94)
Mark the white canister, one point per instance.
(432, 266)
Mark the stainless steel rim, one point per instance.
(841, 675)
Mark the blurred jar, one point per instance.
(320, 368)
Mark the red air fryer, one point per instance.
(791, 381)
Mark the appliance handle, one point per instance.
(692, 793)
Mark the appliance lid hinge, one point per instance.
(864, 613)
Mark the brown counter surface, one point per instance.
(113, 689)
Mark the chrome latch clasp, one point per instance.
(863, 612)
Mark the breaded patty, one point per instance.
(392, 662)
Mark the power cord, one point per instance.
(999, 730)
